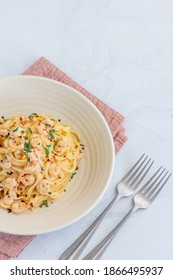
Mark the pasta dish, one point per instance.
(38, 157)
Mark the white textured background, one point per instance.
(122, 51)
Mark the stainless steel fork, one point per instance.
(142, 199)
(126, 187)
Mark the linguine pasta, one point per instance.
(38, 157)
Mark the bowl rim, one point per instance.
(112, 154)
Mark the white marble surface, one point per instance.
(122, 51)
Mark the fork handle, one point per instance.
(76, 248)
(98, 251)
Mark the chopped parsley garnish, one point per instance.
(82, 145)
(28, 159)
(26, 144)
(56, 142)
(26, 138)
(31, 117)
(6, 136)
(39, 144)
(15, 129)
(48, 124)
(72, 175)
(27, 147)
(5, 120)
(45, 203)
(47, 152)
(51, 133)
(30, 130)
(49, 146)
(49, 192)
(0, 182)
(41, 167)
(22, 131)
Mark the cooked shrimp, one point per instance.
(21, 188)
(36, 142)
(43, 187)
(27, 180)
(62, 146)
(18, 207)
(42, 129)
(18, 131)
(6, 201)
(12, 193)
(48, 122)
(6, 165)
(32, 167)
(10, 183)
(4, 132)
(2, 126)
(54, 169)
(35, 154)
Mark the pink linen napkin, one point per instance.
(12, 245)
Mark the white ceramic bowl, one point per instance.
(25, 95)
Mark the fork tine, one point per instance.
(154, 188)
(134, 166)
(134, 171)
(149, 187)
(137, 181)
(147, 183)
(137, 172)
(161, 187)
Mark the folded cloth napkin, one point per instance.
(12, 245)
